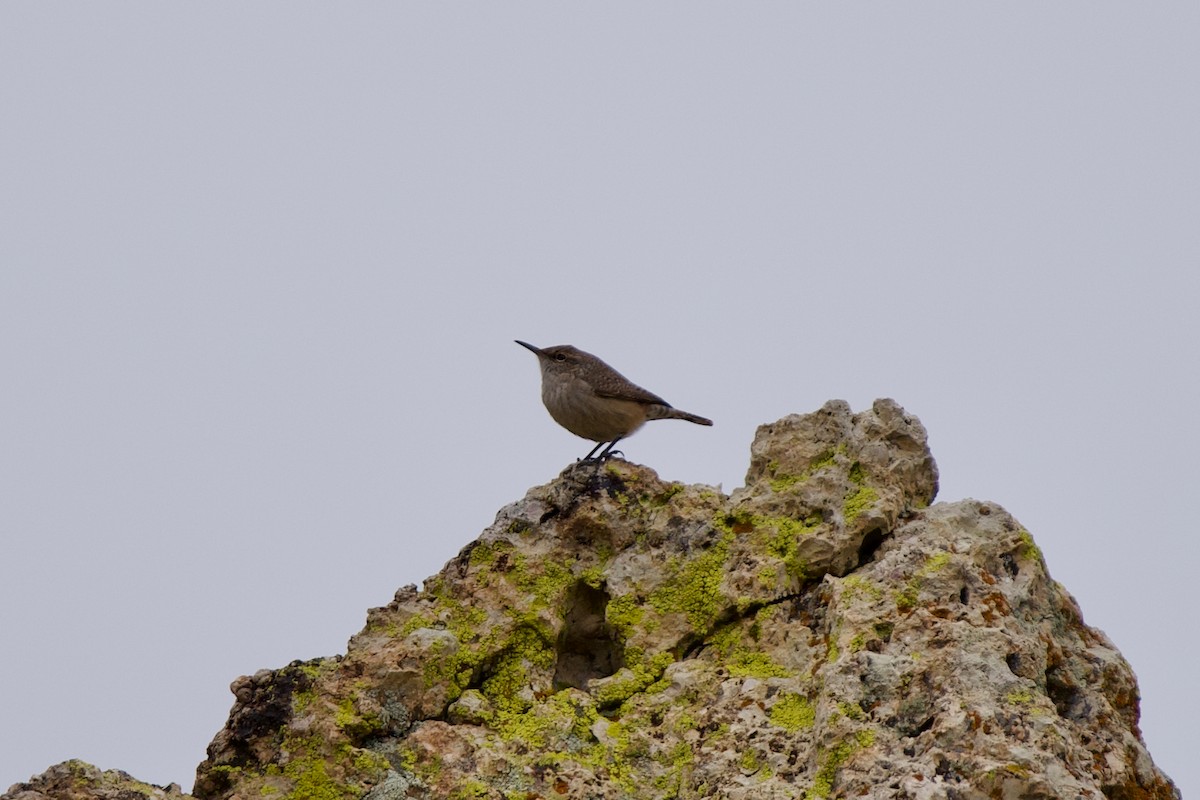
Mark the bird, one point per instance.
(594, 401)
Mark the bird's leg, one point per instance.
(588, 457)
(608, 452)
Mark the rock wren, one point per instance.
(591, 399)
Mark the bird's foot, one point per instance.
(601, 458)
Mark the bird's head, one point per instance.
(561, 358)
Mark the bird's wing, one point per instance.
(621, 388)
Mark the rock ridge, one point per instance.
(824, 631)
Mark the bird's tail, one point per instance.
(667, 412)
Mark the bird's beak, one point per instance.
(528, 346)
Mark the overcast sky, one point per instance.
(262, 265)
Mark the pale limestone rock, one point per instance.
(821, 632)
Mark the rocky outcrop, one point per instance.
(77, 780)
(824, 631)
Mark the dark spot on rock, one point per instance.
(588, 647)
(270, 705)
(1014, 663)
(264, 706)
(870, 543)
(1068, 701)
(947, 769)
(613, 486)
(964, 595)
(738, 523)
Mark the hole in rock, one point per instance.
(1068, 701)
(588, 646)
(870, 543)
(924, 726)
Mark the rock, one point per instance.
(824, 631)
(77, 780)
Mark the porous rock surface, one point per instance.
(78, 780)
(823, 631)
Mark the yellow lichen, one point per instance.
(693, 585)
(793, 712)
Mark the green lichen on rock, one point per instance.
(301, 700)
(785, 543)
(693, 585)
(371, 763)
(471, 789)
(508, 676)
(906, 597)
(863, 496)
(793, 712)
(631, 680)
(858, 502)
(778, 536)
(560, 723)
(414, 623)
(749, 761)
(87, 781)
(832, 761)
(1019, 697)
(546, 581)
(624, 613)
(464, 620)
(483, 554)
(1029, 549)
(593, 577)
(750, 664)
(505, 655)
(677, 760)
(763, 617)
(353, 722)
(854, 586)
(736, 649)
(307, 770)
(783, 481)
(934, 563)
(852, 710)
(664, 497)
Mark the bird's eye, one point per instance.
(560, 357)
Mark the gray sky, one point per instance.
(261, 267)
